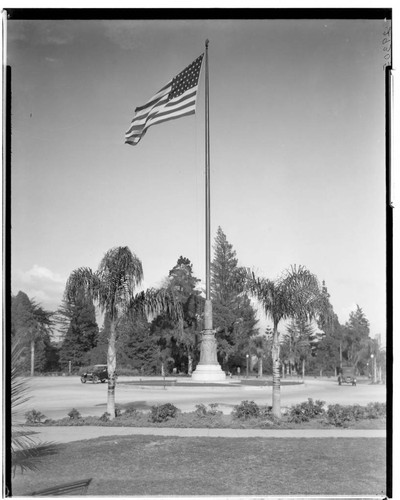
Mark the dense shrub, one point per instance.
(342, 416)
(74, 414)
(305, 411)
(202, 410)
(105, 417)
(161, 413)
(34, 417)
(131, 411)
(246, 410)
(375, 410)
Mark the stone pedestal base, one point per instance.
(208, 373)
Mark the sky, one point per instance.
(297, 151)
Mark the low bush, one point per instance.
(342, 416)
(161, 413)
(305, 411)
(34, 417)
(131, 411)
(246, 410)
(105, 417)
(375, 410)
(74, 414)
(202, 410)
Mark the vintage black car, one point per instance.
(347, 376)
(98, 373)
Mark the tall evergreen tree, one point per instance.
(356, 334)
(177, 340)
(82, 331)
(329, 352)
(136, 347)
(31, 326)
(234, 318)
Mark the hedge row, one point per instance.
(246, 411)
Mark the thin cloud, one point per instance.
(41, 284)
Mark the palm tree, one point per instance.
(112, 288)
(300, 335)
(296, 294)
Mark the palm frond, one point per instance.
(302, 293)
(82, 282)
(119, 273)
(19, 387)
(32, 458)
(26, 453)
(153, 302)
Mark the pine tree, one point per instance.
(178, 340)
(329, 351)
(81, 331)
(233, 316)
(356, 333)
(30, 327)
(136, 347)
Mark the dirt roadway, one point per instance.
(56, 396)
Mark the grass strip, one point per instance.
(154, 465)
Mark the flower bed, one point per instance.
(246, 415)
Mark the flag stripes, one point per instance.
(176, 99)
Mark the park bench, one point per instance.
(75, 488)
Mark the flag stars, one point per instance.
(187, 79)
(163, 107)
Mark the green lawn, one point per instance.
(153, 465)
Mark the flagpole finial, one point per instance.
(207, 42)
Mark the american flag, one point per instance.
(177, 98)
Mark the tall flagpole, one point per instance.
(208, 368)
(208, 306)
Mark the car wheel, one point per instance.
(83, 380)
(103, 380)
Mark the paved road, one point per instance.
(56, 396)
(68, 434)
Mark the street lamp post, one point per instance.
(373, 368)
(247, 366)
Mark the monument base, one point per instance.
(208, 373)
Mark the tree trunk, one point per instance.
(276, 377)
(32, 358)
(303, 370)
(190, 363)
(260, 367)
(111, 366)
(162, 369)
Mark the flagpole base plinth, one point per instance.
(208, 373)
(208, 369)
